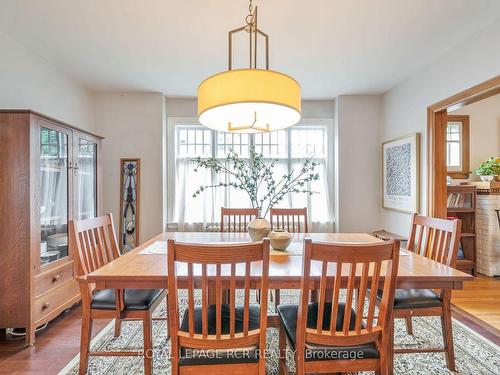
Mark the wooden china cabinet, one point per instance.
(49, 174)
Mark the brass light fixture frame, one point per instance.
(252, 29)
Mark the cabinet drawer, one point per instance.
(53, 278)
(56, 300)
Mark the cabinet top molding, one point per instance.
(51, 119)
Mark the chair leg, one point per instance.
(384, 358)
(299, 364)
(86, 334)
(389, 366)
(118, 327)
(168, 329)
(276, 300)
(282, 356)
(174, 361)
(409, 325)
(448, 337)
(148, 344)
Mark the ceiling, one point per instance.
(331, 47)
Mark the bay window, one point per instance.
(187, 140)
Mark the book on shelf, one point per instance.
(460, 254)
(458, 200)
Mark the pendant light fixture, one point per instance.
(249, 100)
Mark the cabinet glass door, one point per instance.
(86, 179)
(53, 195)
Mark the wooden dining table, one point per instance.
(145, 267)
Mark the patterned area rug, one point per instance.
(474, 354)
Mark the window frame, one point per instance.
(464, 171)
(169, 153)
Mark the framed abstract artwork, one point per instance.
(401, 173)
(130, 175)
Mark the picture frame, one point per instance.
(401, 174)
(130, 175)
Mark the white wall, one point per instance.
(132, 125)
(404, 107)
(358, 163)
(29, 82)
(484, 118)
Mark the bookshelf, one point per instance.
(462, 205)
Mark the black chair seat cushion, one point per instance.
(212, 357)
(288, 318)
(134, 299)
(414, 298)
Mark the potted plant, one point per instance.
(255, 176)
(497, 161)
(489, 169)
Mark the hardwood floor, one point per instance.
(54, 347)
(479, 303)
(477, 306)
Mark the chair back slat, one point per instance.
(232, 301)
(224, 268)
(348, 303)
(236, 219)
(373, 295)
(362, 262)
(204, 300)
(218, 301)
(363, 285)
(441, 238)
(293, 220)
(322, 294)
(190, 299)
(335, 299)
(99, 244)
(246, 303)
(101, 260)
(90, 251)
(95, 242)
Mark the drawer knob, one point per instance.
(45, 306)
(56, 278)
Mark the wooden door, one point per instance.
(52, 206)
(86, 176)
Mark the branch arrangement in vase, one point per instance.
(255, 176)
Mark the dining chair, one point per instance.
(95, 243)
(236, 219)
(289, 219)
(436, 239)
(293, 220)
(213, 335)
(331, 335)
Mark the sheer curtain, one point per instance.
(192, 214)
(87, 184)
(290, 148)
(53, 193)
(54, 178)
(202, 212)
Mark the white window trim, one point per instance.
(457, 168)
(169, 141)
